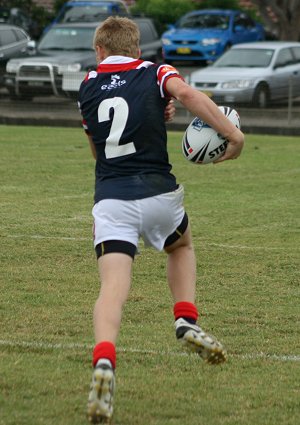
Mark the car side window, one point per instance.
(238, 20)
(20, 35)
(249, 22)
(243, 20)
(7, 37)
(296, 53)
(284, 58)
(146, 33)
(122, 9)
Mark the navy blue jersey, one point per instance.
(123, 106)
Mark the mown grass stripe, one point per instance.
(71, 346)
(70, 238)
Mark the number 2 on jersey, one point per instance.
(121, 110)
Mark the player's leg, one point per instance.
(115, 240)
(181, 268)
(115, 277)
(181, 273)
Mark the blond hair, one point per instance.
(119, 36)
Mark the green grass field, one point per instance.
(245, 220)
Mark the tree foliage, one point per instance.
(39, 15)
(217, 4)
(163, 12)
(168, 12)
(279, 16)
(282, 16)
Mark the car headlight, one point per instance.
(237, 84)
(166, 41)
(12, 67)
(71, 67)
(210, 41)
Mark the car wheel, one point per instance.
(14, 96)
(157, 58)
(227, 47)
(261, 96)
(73, 95)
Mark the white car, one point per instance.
(255, 73)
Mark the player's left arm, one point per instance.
(92, 146)
(170, 110)
(89, 136)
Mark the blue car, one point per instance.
(88, 11)
(204, 35)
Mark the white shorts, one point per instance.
(153, 219)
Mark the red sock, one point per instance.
(185, 309)
(105, 350)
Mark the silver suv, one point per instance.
(66, 49)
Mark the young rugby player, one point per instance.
(124, 105)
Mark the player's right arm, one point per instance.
(203, 107)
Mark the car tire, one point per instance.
(13, 96)
(261, 97)
(158, 57)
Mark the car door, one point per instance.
(150, 42)
(244, 29)
(8, 42)
(284, 69)
(13, 43)
(296, 70)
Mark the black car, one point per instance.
(67, 48)
(13, 43)
(18, 17)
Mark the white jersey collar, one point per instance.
(117, 59)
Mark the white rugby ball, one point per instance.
(202, 144)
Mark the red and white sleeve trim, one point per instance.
(164, 72)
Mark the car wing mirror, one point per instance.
(31, 47)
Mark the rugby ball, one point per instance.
(202, 144)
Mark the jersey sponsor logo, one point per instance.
(165, 70)
(168, 68)
(92, 74)
(219, 149)
(198, 124)
(115, 83)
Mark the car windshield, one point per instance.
(83, 13)
(250, 58)
(204, 21)
(68, 39)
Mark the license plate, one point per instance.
(35, 83)
(208, 93)
(183, 50)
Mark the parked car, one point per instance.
(252, 73)
(88, 10)
(13, 43)
(66, 48)
(204, 35)
(18, 17)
